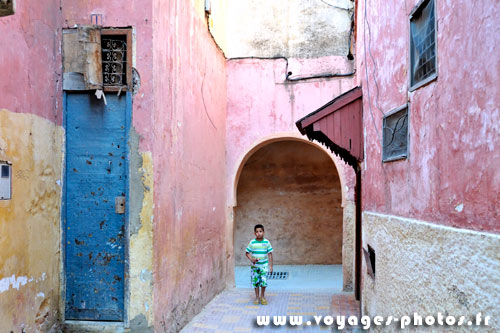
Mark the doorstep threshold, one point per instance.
(84, 326)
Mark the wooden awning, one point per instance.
(338, 125)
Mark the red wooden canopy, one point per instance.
(338, 125)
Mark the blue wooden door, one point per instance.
(95, 226)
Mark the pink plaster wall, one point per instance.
(454, 121)
(261, 104)
(189, 153)
(30, 60)
(137, 14)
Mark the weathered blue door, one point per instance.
(95, 218)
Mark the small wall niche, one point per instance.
(370, 261)
(5, 180)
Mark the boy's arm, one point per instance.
(270, 259)
(249, 256)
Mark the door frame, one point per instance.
(126, 282)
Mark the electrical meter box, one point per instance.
(5, 180)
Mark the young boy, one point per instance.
(259, 252)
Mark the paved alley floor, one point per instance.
(310, 291)
(233, 311)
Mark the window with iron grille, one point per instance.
(423, 53)
(7, 7)
(114, 60)
(116, 53)
(395, 135)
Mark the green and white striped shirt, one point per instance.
(259, 250)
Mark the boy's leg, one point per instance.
(263, 285)
(263, 300)
(255, 282)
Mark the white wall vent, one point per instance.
(5, 181)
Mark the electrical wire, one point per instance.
(366, 75)
(326, 3)
(300, 78)
(375, 68)
(203, 97)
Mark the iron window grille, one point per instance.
(423, 52)
(395, 135)
(7, 7)
(116, 57)
(114, 60)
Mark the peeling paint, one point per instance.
(13, 282)
(30, 263)
(137, 187)
(146, 275)
(140, 324)
(141, 251)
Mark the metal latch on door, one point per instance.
(120, 205)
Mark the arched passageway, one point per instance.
(293, 189)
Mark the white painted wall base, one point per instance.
(427, 268)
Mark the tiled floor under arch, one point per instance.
(310, 291)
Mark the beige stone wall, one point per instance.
(348, 254)
(217, 21)
(293, 189)
(291, 28)
(30, 223)
(427, 268)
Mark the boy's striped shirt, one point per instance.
(259, 250)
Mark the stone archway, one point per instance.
(294, 189)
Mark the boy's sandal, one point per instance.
(256, 301)
(263, 301)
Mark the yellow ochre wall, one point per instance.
(30, 223)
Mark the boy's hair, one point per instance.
(258, 226)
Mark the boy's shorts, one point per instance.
(259, 275)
